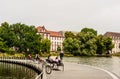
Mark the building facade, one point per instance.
(56, 38)
(115, 39)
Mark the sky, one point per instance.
(66, 15)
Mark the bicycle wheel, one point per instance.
(48, 69)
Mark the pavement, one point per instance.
(79, 71)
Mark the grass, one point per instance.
(5, 55)
(116, 54)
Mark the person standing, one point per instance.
(61, 55)
(37, 57)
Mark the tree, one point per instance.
(83, 43)
(6, 34)
(69, 34)
(100, 44)
(45, 47)
(108, 44)
(26, 38)
(87, 46)
(85, 30)
(2, 46)
(68, 44)
(20, 36)
(58, 48)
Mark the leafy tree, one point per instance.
(45, 47)
(108, 44)
(26, 38)
(69, 34)
(58, 48)
(87, 44)
(68, 45)
(84, 43)
(100, 44)
(2, 46)
(85, 30)
(6, 34)
(20, 36)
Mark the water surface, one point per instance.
(14, 71)
(111, 64)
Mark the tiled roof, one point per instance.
(39, 28)
(55, 34)
(112, 34)
(52, 33)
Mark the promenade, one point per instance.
(78, 71)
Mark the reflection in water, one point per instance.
(14, 71)
(111, 64)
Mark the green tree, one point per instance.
(83, 43)
(68, 45)
(100, 44)
(69, 34)
(45, 47)
(20, 36)
(108, 45)
(58, 48)
(26, 38)
(87, 46)
(85, 30)
(6, 34)
(2, 46)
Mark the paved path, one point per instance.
(78, 71)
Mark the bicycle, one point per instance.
(56, 66)
(47, 67)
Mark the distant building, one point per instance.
(56, 38)
(115, 39)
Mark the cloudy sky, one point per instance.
(101, 15)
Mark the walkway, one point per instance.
(78, 71)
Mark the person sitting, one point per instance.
(57, 61)
(49, 59)
(29, 57)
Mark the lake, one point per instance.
(111, 64)
(14, 71)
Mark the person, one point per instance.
(37, 57)
(57, 61)
(29, 57)
(49, 59)
(61, 55)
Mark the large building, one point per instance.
(115, 39)
(56, 38)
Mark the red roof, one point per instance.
(112, 34)
(39, 28)
(52, 33)
(55, 34)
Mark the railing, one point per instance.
(40, 76)
(26, 63)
